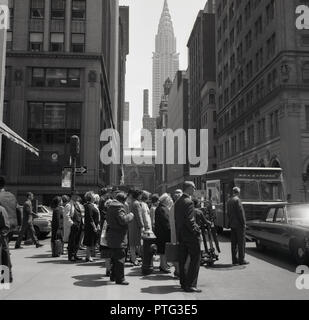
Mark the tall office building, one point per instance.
(149, 123)
(64, 74)
(165, 58)
(262, 89)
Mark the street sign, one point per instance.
(81, 170)
(66, 178)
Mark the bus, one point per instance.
(260, 188)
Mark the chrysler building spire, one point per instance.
(165, 58)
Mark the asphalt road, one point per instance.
(270, 275)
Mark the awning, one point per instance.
(13, 136)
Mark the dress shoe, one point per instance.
(244, 263)
(123, 283)
(235, 263)
(38, 245)
(89, 260)
(77, 258)
(18, 247)
(72, 259)
(192, 289)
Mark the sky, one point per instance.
(144, 21)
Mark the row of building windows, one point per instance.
(253, 95)
(50, 77)
(243, 17)
(257, 62)
(246, 139)
(56, 39)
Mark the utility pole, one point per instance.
(74, 152)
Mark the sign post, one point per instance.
(74, 148)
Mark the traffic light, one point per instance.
(74, 146)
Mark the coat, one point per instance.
(146, 216)
(187, 229)
(57, 224)
(28, 212)
(67, 221)
(172, 224)
(135, 236)
(236, 213)
(162, 227)
(91, 220)
(117, 225)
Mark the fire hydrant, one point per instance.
(149, 250)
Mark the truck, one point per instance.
(260, 188)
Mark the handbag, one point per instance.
(57, 248)
(172, 252)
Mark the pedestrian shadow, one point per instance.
(40, 256)
(225, 267)
(92, 264)
(158, 277)
(57, 261)
(278, 258)
(161, 289)
(90, 280)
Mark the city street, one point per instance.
(38, 276)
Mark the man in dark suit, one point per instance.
(27, 225)
(188, 235)
(117, 236)
(237, 222)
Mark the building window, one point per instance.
(307, 117)
(37, 9)
(78, 42)
(36, 41)
(53, 77)
(58, 9)
(274, 123)
(9, 40)
(50, 126)
(56, 42)
(78, 10)
(234, 145)
(251, 136)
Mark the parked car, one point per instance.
(41, 223)
(285, 227)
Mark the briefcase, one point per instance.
(172, 252)
(57, 248)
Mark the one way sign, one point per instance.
(81, 170)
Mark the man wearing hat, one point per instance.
(188, 235)
(237, 222)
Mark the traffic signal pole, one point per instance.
(74, 151)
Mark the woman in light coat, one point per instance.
(145, 211)
(67, 217)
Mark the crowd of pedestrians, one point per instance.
(114, 224)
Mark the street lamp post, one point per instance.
(74, 152)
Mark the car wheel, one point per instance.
(37, 232)
(299, 253)
(259, 245)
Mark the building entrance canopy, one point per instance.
(13, 136)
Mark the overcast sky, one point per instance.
(144, 20)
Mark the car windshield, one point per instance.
(298, 214)
(249, 190)
(271, 191)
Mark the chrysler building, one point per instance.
(165, 58)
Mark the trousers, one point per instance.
(118, 260)
(238, 244)
(26, 227)
(74, 240)
(192, 249)
(5, 257)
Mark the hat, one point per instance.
(236, 190)
(188, 184)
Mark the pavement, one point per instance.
(38, 276)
